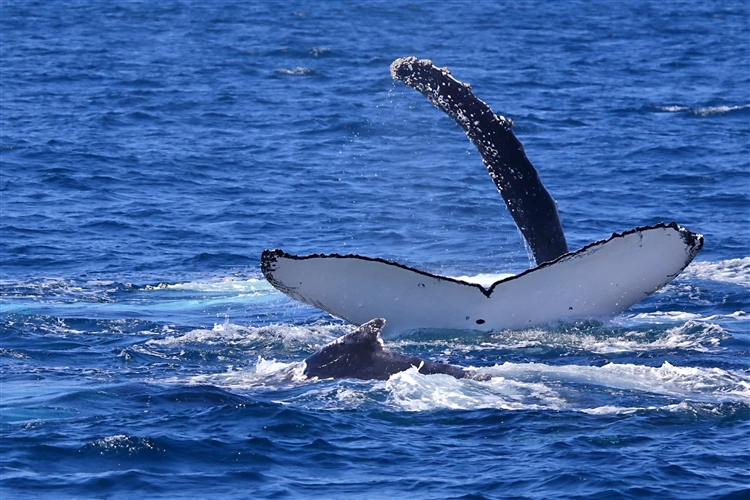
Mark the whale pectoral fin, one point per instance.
(532, 207)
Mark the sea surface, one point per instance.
(152, 150)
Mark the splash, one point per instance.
(228, 334)
(538, 386)
(702, 384)
(736, 271)
(265, 374)
(413, 391)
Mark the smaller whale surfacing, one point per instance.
(360, 354)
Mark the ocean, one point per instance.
(150, 151)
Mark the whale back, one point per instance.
(351, 356)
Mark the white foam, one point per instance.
(658, 318)
(537, 386)
(624, 410)
(702, 384)
(616, 410)
(414, 391)
(230, 334)
(299, 70)
(672, 109)
(122, 442)
(718, 110)
(13, 354)
(700, 336)
(227, 285)
(707, 111)
(735, 271)
(266, 373)
(695, 335)
(666, 317)
(225, 333)
(513, 386)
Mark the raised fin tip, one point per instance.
(376, 323)
(405, 66)
(368, 333)
(399, 65)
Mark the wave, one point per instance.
(298, 71)
(736, 271)
(537, 386)
(662, 317)
(697, 383)
(65, 297)
(267, 373)
(290, 337)
(620, 335)
(689, 332)
(120, 443)
(227, 285)
(706, 111)
(513, 386)
(47, 287)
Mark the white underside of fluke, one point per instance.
(599, 280)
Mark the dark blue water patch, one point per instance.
(223, 258)
(297, 442)
(272, 439)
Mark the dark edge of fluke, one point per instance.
(533, 209)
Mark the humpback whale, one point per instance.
(360, 354)
(601, 279)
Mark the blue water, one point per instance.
(152, 150)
